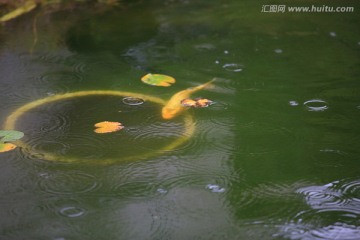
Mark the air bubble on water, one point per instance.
(161, 190)
(293, 103)
(278, 50)
(332, 34)
(215, 188)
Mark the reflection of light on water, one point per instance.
(339, 231)
(334, 214)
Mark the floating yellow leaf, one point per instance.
(197, 102)
(27, 7)
(187, 102)
(158, 80)
(203, 102)
(107, 127)
(4, 147)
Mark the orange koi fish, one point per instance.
(174, 107)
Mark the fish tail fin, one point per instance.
(209, 84)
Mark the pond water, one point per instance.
(276, 157)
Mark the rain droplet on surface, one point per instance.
(215, 188)
(293, 103)
(72, 212)
(133, 101)
(332, 34)
(161, 190)
(233, 67)
(316, 105)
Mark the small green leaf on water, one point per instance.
(10, 135)
(158, 80)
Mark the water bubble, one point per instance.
(233, 67)
(72, 212)
(133, 101)
(316, 105)
(278, 50)
(293, 103)
(215, 188)
(161, 190)
(332, 34)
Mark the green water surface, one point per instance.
(276, 156)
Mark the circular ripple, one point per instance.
(205, 47)
(233, 67)
(322, 196)
(219, 135)
(132, 101)
(80, 67)
(55, 122)
(351, 189)
(269, 200)
(316, 225)
(61, 77)
(72, 211)
(70, 182)
(329, 224)
(316, 105)
(87, 146)
(134, 189)
(174, 139)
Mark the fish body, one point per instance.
(173, 107)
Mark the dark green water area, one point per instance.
(276, 157)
